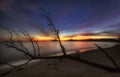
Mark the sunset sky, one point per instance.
(76, 19)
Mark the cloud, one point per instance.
(5, 5)
(4, 17)
(31, 6)
(103, 33)
(111, 32)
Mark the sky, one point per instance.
(71, 17)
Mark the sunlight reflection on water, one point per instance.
(51, 48)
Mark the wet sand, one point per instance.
(72, 68)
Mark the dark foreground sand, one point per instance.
(72, 68)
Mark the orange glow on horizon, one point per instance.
(42, 38)
(63, 38)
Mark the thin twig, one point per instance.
(108, 56)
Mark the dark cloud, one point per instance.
(90, 17)
(113, 32)
(6, 4)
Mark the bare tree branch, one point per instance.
(36, 48)
(55, 30)
(14, 67)
(108, 56)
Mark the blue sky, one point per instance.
(70, 16)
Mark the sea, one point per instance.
(12, 55)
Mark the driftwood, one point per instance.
(11, 42)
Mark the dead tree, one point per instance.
(25, 36)
(54, 30)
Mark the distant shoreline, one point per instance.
(89, 40)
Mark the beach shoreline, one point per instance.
(71, 68)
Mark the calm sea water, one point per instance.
(50, 48)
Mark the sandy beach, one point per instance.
(72, 68)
